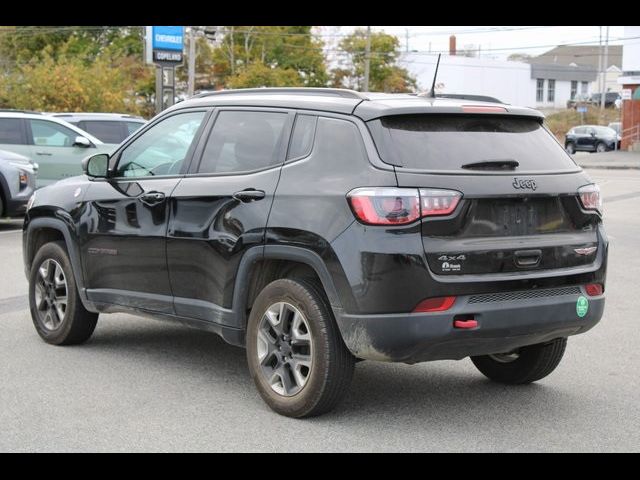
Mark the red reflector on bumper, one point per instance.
(465, 323)
(593, 289)
(437, 304)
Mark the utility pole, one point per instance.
(600, 63)
(192, 62)
(406, 36)
(367, 60)
(604, 70)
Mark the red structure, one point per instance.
(630, 117)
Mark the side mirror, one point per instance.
(96, 166)
(593, 134)
(81, 141)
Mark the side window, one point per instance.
(133, 126)
(242, 141)
(107, 131)
(338, 141)
(302, 137)
(50, 134)
(11, 131)
(162, 149)
(580, 130)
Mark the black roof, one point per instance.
(366, 105)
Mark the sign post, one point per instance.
(581, 110)
(164, 47)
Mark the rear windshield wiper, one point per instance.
(492, 165)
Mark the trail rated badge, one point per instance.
(582, 306)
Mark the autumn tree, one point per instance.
(75, 69)
(385, 75)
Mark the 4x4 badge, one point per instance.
(524, 183)
(449, 258)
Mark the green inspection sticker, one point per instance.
(582, 306)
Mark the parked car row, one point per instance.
(56, 143)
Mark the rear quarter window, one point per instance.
(447, 142)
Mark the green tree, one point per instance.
(270, 56)
(384, 73)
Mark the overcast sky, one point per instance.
(497, 42)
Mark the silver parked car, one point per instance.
(17, 183)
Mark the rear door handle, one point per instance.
(152, 198)
(46, 154)
(249, 195)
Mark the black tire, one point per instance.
(332, 365)
(601, 147)
(570, 148)
(533, 362)
(77, 323)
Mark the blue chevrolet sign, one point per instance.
(168, 38)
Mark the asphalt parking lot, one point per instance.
(142, 385)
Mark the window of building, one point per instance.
(551, 91)
(243, 141)
(584, 88)
(540, 90)
(574, 89)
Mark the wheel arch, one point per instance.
(261, 265)
(43, 230)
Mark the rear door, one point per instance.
(220, 209)
(519, 210)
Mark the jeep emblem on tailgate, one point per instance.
(523, 183)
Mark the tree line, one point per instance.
(101, 69)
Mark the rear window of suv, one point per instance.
(447, 142)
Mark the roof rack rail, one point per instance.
(17, 110)
(325, 92)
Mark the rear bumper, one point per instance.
(503, 325)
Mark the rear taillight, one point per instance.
(590, 197)
(385, 206)
(436, 304)
(400, 206)
(438, 202)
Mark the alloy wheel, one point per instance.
(51, 294)
(285, 348)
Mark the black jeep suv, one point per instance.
(316, 227)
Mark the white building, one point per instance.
(509, 82)
(547, 81)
